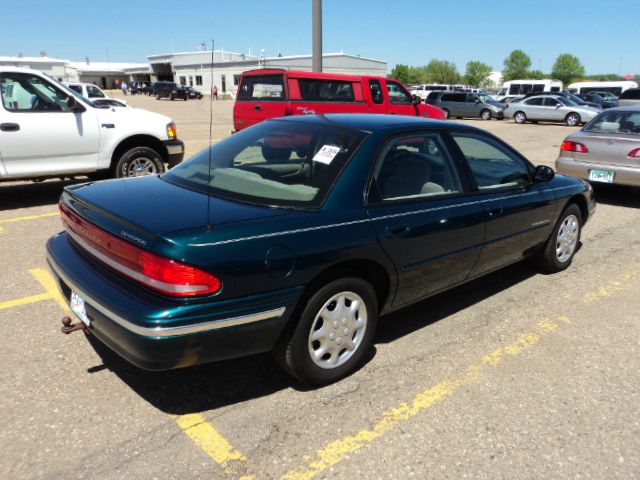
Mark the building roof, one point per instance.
(31, 60)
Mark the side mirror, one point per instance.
(543, 173)
(74, 106)
(416, 100)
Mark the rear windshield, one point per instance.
(274, 163)
(631, 94)
(263, 87)
(615, 122)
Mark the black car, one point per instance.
(193, 93)
(169, 90)
(597, 99)
(565, 94)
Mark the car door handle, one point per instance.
(494, 212)
(398, 229)
(9, 127)
(257, 107)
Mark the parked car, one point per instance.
(511, 99)
(629, 97)
(571, 96)
(460, 104)
(607, 96)
(595, 99)
(606, 150)
(169, 90)
(193, 93)
(294, 235)
(550, 108)
(262, 95)
(48, 130)
(93, 93)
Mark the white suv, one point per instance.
(47, 131)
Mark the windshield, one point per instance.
(487, 99)
(274, 163)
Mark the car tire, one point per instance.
(446, 113)
(562, 245)
(485, 114)
(520, 117)
(157, 96)
(572, 119)
(316, 351)
(172, 97)
(137, 162)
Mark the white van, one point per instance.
(615, 87)
(424, 90)
(522, 87)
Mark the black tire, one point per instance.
(548, 258)
(520, 117)
(157, 96)
(485, 114)
(172, 97)
(293, 349)
(138, 161)
(572, 119)
(446, 113)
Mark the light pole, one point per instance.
(316, 63)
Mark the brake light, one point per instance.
(634, 153)
(569, 146)
(161, 274)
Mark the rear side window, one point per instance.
(263, 88)
(631, 94)
(376, 91)
(76, 88)
(326, 90)
(447, 97)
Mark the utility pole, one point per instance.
(317, 36)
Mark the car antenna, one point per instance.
(210, 179)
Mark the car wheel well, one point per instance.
(139, 141)
(368, 270)
(582, 205)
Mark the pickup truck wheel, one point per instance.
(139, 161)
(333, 334)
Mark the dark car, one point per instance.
(596, 99)
(571, 96)
(168, 90)
(193, 93)
(294, 235)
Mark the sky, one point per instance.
(603, 35)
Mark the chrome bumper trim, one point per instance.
(160, 331)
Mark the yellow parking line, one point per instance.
(29, 217)
(24, 301)
(210, 440)
(336, 451)
(47, 281)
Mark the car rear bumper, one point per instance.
(155, 333)
(623, 175)
(175, 151)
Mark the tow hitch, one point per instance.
(68, 327)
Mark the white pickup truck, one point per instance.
(47, 131)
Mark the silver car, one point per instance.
(551, 108)
(606, 150)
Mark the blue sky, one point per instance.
(602, 34)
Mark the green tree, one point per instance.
(400, 72)
(536, 75)
(442, 71)
(477, 73)
(516, 66)
(567, 68)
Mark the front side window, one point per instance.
(551, 102)
(492, 164)
(397, 94)
(23, 92)
(326, 90)
(274, 163)
(414, 167)
(376, 91)
(94, 92)
(263, 88)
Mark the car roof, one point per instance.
(624, 108)
(370, 122)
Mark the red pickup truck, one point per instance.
(269, 93)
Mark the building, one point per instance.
(194, 68)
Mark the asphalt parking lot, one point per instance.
(516, 375)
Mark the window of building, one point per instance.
(183, 81)
(198, 79)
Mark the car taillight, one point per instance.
(634, 153)
(569, 146)
(161, 274)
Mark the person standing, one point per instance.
(124, 87)
(214, 92)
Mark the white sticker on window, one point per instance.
(326, 154)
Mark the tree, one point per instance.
(477, 73)
(516, 66)
(567, 68)
(401, 73)
(536, 75)
(442, 71)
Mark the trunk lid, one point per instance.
(608, 148)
